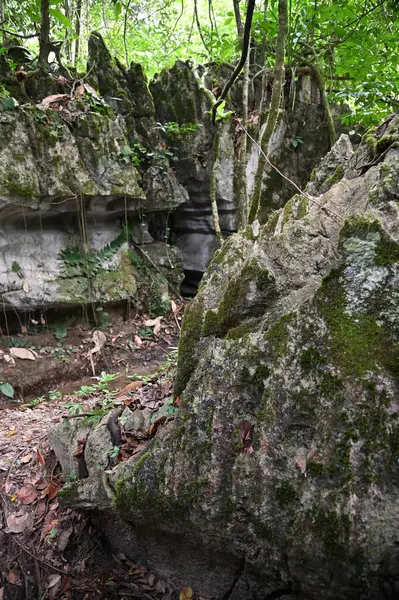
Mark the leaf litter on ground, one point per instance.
(56, 543)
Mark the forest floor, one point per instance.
(48, 552)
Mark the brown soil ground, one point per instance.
(48, 552)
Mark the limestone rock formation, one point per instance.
(73, 188)
(71, 173)
(279, 478)
(298, 144)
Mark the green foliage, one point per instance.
(60, 17)
(4, 93)
(136, 260)
(84, 262)
(99, 397)
(174, 130)
(62, 353)
(354, 45)
(221, 113)
(102, 316)
(114, 452)
(145, 331)
(16, 267)
(7, 104)
(7, 389)
(135, 154)
(18, 342)
(34, 402)
(60, 333)
(296, 142)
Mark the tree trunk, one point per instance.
(240, 172)
(272, 117)
(2, 19)
(324, 98)
(240, 28)
(78, 30)
(68, 8)
(212, 185)
(44, 38)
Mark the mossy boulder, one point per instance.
(280, 475)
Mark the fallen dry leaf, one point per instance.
(63, 539)
(157, 327)
(39, 457)
(25, 459)
(27, 494)
(151, 322)
(46, 102)
(63, 81)
(12, 432)
(52, 489)
(9, 359)
(99, 340)
(22, 353)
(186, 593)
(53, 580)
(93, 92)
(25, 286)
(156, 424)
(40, 509)
(138, 341)
(17, 523)
(79, 90)
(130, 387)
(14, 577)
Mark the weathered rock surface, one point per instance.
(69, 177)
(71, 192)
(280, 476)
(179, 97)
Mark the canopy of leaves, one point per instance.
(355, 43)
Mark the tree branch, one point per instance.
(244, 52)
(272, 116)
(199, 25)
(18, 35)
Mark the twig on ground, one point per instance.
(43, 562)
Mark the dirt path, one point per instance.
(48, 552)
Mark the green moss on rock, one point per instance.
(189, 338)
(303, 208)
(277, 335)
(335, 177)
(285, 493)
(357, 343)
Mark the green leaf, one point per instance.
(117, 9)
(7, 104)
(53, 532)
(60, 17)
(7, 390)
(60, 333)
